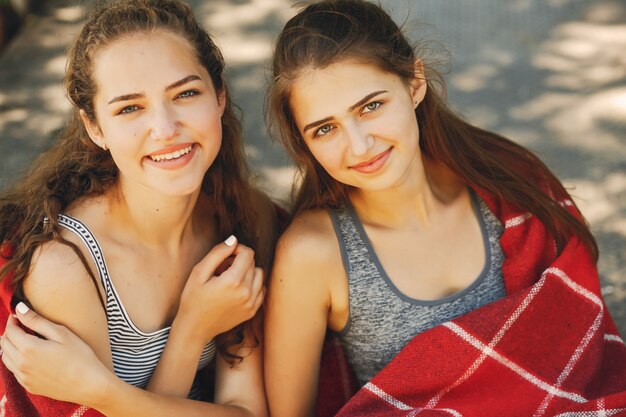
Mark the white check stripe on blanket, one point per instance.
(614, 338)
(402, 406)
(518, 311)
(584, 342)
(80, 411)
(488, 350)
(599, 413)
(512, 365)
(549, 347)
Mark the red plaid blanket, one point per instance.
(549, 348)
(14, 400)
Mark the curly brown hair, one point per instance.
(74, 167)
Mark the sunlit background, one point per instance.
(550, 74)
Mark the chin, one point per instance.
(180, 190)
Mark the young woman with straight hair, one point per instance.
(414, 231)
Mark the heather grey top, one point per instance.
(382, 320)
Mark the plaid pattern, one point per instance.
(549, 348)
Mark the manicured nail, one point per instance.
(22, 308)
(231, 240)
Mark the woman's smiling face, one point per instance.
(157, 111)
(359, 122)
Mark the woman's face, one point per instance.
(157, 112)
(359, 122)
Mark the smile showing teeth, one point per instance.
(170, 156)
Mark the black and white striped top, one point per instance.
(135, 353)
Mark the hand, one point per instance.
(61, 366)
(223, 290)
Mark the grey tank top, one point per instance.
(382, 320)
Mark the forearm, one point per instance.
(289, 394)
(177, 367)
(292, 362)
(119, 399)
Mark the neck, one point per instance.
(414, 201)
(152, 218)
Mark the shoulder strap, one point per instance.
(79, 228)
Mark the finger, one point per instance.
(259, 299)
(212, 260)
(242, 264)
(257, 281)
(10, 354)
(257, 292)
(247, 280)
(17, 337)
(8, 362)
(35, 322)
(11, 321)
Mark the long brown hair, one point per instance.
(76, 168)
(330, 31)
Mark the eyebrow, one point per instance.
(125, 97)
(185, 80)
(366, 99)
(351, 108)
(175, 84)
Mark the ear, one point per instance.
(418, 85)
(221, 101)
(93, 130)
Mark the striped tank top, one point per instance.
(382, 319)
(135, 353)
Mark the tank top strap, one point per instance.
(79, 229)
(356, 251)
(345, 229)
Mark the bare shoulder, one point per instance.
(311, 234)
(55, 266)
(308, 251)
(58, 286)
(308, 280)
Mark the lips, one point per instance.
(373, 164)
(172, 157)
(171, 152)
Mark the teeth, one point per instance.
(170, 156)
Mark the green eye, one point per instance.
(188, 93)
(369, 107)
(128, 109)
(323, 130)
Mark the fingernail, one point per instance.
(231, 240)
(22, 308)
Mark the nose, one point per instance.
(359, 139)
(164, 124)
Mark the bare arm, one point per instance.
(223, 290)
(296, 319)
(204, 310)
(63, 367)
(239, 392)
(59, 287)
(243, 384)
